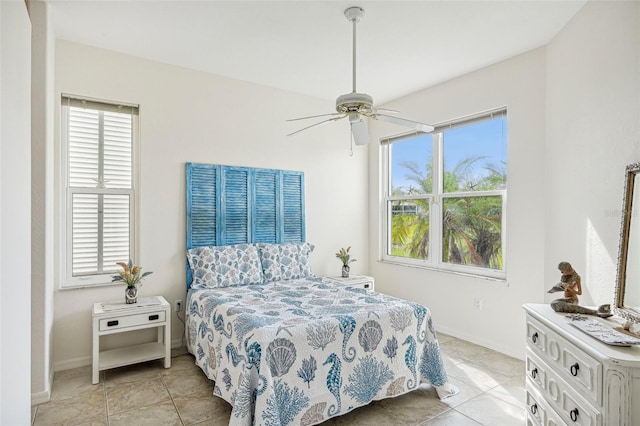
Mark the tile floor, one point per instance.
(491, 393)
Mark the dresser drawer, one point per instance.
(581, 371)
(536, 371)
(131, 320)
(536, 412)
(577, 412)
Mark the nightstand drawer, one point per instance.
(118, 322)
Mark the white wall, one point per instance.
(15, 214)
(192, 116)
(593, 131)
(518, 84)
(42, 61)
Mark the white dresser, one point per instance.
(574, 379)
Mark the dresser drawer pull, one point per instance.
(534, 337)
(366, 286)
(153, 317)
(574, 414)
(574, 369)
(534, 373)
(534, 409)
(112, 323)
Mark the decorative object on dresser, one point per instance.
(132, 276)
(573, 378)
(570, 283)
(359, 281)
(345, 258)
(117, 317)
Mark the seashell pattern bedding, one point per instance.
(302, 351)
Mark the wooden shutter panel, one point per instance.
(293, 229)
(202, 201)
(235, 205)
(265, 224)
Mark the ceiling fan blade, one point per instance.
(314, 116)
(406, 123)
(317, 124)
(359, 130)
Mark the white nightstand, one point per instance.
(118, 317)
(361, 281)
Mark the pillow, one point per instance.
(225, 266)
(285, 261)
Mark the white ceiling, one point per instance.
(305, 46)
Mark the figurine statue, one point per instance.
(572, 287)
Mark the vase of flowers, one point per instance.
(132, 276)
(345, 258)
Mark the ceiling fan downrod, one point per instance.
(353, 15)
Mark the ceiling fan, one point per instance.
(359, 106)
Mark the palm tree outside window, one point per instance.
(445, 196)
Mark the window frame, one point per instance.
(67, 280)
(436, 201)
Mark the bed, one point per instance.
(283, 345)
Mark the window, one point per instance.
(99, 142)
(445, 195)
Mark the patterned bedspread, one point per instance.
(302, 351)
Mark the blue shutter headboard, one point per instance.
(233, 205)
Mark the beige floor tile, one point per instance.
(72, 411)
(462, 350)
(489, 410)
(451, 418)
(129, 396)
(202, 406)
(163, 414)
(414, 407)
(369, 415)
(74, 382)
(99, 422)
(132, 373)
(476, 376)
(512, 391)
(500, 363)
(180, 364)
(187, 382)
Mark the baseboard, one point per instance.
(68, 364)
(45, 395)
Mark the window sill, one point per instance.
(500, 280)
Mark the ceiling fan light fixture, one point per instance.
(353, 102)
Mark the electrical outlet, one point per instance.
(178, 305)
(477, 304)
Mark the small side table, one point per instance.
(361, 281)
(119, 317)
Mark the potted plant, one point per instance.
(345, 258)
(131, 275)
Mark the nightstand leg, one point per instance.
(167, 345)
(95, 366)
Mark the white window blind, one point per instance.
(100, 140)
